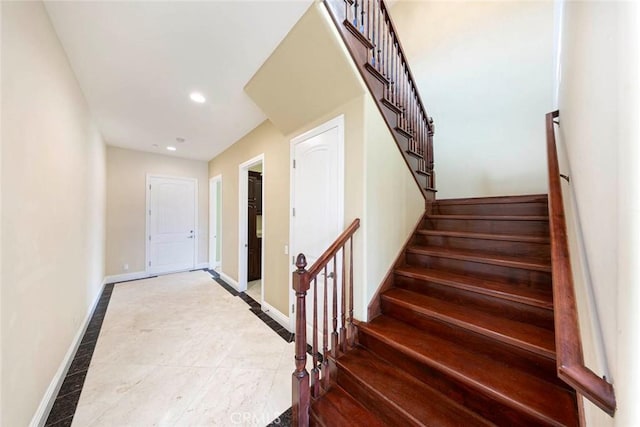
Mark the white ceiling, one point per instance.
(137, 63)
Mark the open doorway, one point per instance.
(251, 223)
(254, 233)
(215, 222)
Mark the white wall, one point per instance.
(53, 204)
(598, 102)
(126, 205)
(484, 72)
(393, 201)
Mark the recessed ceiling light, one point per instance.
(170, 148)
(180, 140)
(197, 97)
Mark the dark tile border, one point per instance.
(284, 420)
(64, 407)
(255, 308)
(66, 402)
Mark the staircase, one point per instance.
(465, 331)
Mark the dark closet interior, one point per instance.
(254, 264)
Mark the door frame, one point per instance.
(335, 122)
(243, 217)
(147, 251)
(214, 221)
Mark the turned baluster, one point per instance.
(325, 337)
(334, 334)
(352, 328)
(301, 398)
(315, 372)
(343, 330)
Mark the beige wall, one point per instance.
(307, 76)
(268, 140)
(53, 199)
(598, 102)
(126, 204)
(484, 71)
(379, 188)
(265, 139)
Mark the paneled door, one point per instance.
(171, 224)
(317, 196)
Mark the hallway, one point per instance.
(180, 350)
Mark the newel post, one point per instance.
(301, 393)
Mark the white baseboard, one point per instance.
(143, 274)
(276, 315)
(127, 276)
(229, 280)
(42, 413)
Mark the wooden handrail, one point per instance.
(305, 386)
(392, 29)
(371, 38)
(569, 356)
(334, 248)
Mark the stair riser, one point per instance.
(540, 251)
(522, 277)
(526, 360)
(315, 420)
(472, 398)
(386, 412)
(508, 309)
(492, 209)
(527, 228)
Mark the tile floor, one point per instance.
(254, 290)
(179, 350)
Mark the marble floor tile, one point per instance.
(254, 290)
(179, 350)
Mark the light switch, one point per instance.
(286, 249)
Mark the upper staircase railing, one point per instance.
(336, 288)
(371, 38)
(569, 357)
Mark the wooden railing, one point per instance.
(305, 386)
(371, 38)
(569, 357)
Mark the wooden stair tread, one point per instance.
(532, 198)
(483, 257)
(491, 217)
(511, 386)
(523, 335)
(420, 403)
(526, 295)
(337, 408)
(485, 236)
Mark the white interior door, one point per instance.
(317, 200)
(215, 211)
(172, 237)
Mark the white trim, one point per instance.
(147, 256)
(117, 278)
(335, 122)
(232, 282)
(243, 194)
(276, 315)
(127, 276)
(262, 240)
(42, 413)
(213, 265)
